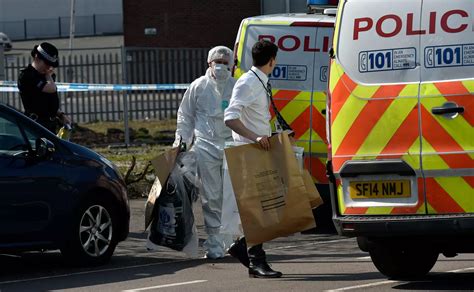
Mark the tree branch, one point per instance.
(129, 171)
(141, 175)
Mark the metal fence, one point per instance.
(97, 24)
(142, 65)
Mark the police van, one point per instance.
(299, 80)
(400, 120)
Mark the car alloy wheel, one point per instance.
(95, 231)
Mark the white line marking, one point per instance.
(461, 270)
(10, 255)
(363, 286)
(389, 282)
(165, 286)
(155, 264)
(91, 272)
(364, 258)
(310, 244)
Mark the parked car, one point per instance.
(5, 42)
(57, 195)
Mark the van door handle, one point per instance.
(447, 110)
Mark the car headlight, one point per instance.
(111, 165)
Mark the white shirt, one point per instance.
(249, 103)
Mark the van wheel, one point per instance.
(93, 237)
(399, 263)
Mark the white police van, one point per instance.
(299, 80)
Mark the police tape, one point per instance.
(11, 86)
(7, 83)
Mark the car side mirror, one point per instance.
(44, 148)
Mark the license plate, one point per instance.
(380, 189)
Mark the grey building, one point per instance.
(32, 19)
(283, 6)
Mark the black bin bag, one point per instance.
(173, 221)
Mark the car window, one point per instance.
(11, 139)
(31, 138)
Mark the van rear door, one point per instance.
(374, 108)
(447, 105)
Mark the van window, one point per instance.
(379, 41)
(302, 55)
(11, 139)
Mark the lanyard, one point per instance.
(268, 89)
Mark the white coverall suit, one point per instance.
(201, 115)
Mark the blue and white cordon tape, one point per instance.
(11, 86)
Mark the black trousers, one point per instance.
(256, 252)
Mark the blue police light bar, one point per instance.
(322, 2)
(317, 2)
(319, 6)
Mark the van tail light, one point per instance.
(348, 226)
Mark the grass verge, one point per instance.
(122, 157)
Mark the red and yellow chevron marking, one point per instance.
(370, 122)
(440, 201)
(383, 122)
(461, 93)
(309, 125)
(403, 137)
(448, 145)
(443, 142)
(317, 166)
(446, 194)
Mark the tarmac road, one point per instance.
(309, 263)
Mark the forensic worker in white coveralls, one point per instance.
(201, 117)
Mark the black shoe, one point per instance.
(262, 270)
(239, 251)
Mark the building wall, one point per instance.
(186, 23)
(15, 10)
(39, 19)
(284, 6)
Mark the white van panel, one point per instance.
(448, 45)
(302, 55)
(380, 43)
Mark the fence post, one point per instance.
(2, 72)
(59, 26)
(25, 25)
(94, 23)
(125, 97)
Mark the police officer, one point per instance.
(38, 90)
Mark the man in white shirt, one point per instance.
(249, 117)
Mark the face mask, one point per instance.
(221, 72)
